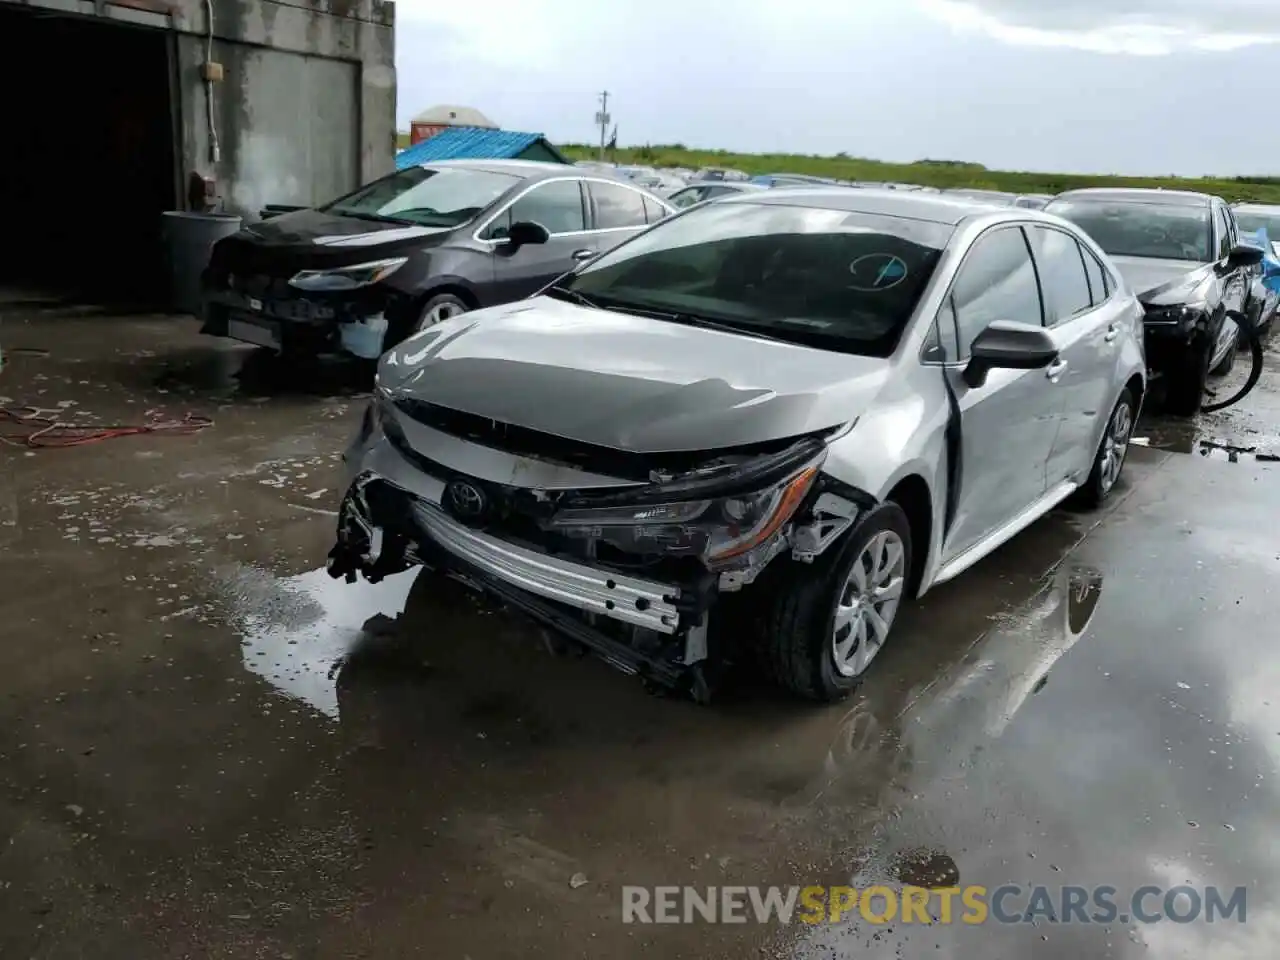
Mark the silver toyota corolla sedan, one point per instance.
(755, 428)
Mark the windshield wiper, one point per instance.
(374, 217)
(693, 320)
(574, 296)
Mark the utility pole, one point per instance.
(602, 118)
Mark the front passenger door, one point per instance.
(1007, 425)
(559, 205)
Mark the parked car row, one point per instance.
(751, 426)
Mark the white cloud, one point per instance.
(1133, 27)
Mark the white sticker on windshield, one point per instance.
(875, 272)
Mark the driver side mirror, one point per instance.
(1008, 345)
(526, 231)
(1244, 255)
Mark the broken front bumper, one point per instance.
(379, 520)
(296, 325)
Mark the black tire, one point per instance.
(796, 648)
(1185, 380)
(1096, 489)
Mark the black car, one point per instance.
(1181, 253)
(422, 244)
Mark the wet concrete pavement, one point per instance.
(210, 749)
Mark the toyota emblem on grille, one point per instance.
(466, 500)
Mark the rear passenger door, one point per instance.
(558, 205)
(1087, 332)
(618, 213)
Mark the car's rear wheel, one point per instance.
(1109, 459)
(829, 621)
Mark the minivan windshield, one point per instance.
(826, 278)
(1130, 228)
(440, 197)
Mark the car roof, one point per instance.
(1256, 207)
(1172, 198)
(909, 204)
(526, 169)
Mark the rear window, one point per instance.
(829, 278)
(1134, 229)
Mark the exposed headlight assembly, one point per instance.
(720, 530)
(347, 278)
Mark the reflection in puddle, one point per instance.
(951, 718)
(300, 655)
(1212, 449)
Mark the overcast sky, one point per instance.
(1096, 86)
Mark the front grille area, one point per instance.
(545, 446)
(514, 513)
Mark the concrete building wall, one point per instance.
(306, 107)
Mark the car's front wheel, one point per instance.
(441, 307)
(829, 621)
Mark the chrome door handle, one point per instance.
(1112, 332)
(1054, 370)
(583, 254)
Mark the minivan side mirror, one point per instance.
(1244, 255)
(526, 231)
(1008, 345)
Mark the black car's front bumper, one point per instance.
(296, 324)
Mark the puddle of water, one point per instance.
(298, 638)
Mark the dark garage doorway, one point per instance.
(87, 156)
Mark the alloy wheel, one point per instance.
(868, 603)
(439, 313)
(1115, 444)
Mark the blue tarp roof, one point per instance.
(467, 143)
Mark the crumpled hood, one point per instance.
(626, 382)
(1163, 282)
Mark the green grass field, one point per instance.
(1261, 189)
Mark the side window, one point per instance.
(996, 282)
(653, 210)
(1224, 234)
(1062, 277)
(1099, 289)
(556, 205)
(940, 345)
(617, 206)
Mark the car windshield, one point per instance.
(1126, 228)
(444, 197)
(826, 278)
(684, 198)
(1251, 221)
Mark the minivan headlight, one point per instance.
(347, 278)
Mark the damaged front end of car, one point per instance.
(627, 554)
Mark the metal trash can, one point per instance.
(188, 238)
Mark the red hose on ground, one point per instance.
(36, 432)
